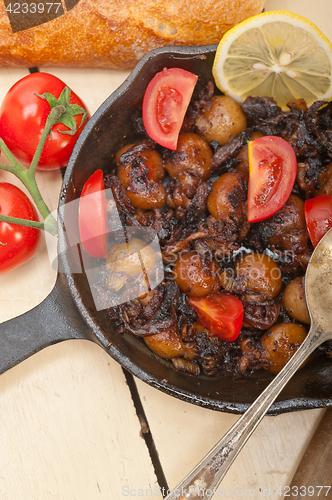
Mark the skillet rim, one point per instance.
(278, 407)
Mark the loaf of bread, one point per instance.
(110, 33)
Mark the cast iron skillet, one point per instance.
(69, 312)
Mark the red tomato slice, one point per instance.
(318, 216)
(92, 216)
(165, 103)
(221, 313)
(272, 173)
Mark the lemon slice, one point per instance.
(275, 54)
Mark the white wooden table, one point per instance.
(68, 424)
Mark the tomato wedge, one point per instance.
(165, 103)
(272, 173)
(92, 216)
(221, 313)
(318, 216)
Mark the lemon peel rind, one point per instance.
(257, 22)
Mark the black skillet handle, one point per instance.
(53, 320)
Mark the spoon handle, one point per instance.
(202, 482)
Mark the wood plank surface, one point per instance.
(68, 425)
(184, 433)
(68, 428)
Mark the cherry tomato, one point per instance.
(92, 216)
(221, 313)
(23, 116)
(318, 216)
(165, 104)
(17, 243)
(272, 173)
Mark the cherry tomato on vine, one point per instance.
(92, 216)
(318, 216)
(272, 173)
(23, 116)
(165, 103)
(221, 313)
(17, 243)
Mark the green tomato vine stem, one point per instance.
(22, 222)
(27, 176)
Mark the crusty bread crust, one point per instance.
(117, 33)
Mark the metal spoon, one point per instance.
(202, 482)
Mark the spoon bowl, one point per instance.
(202, 482)
(318, 291)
